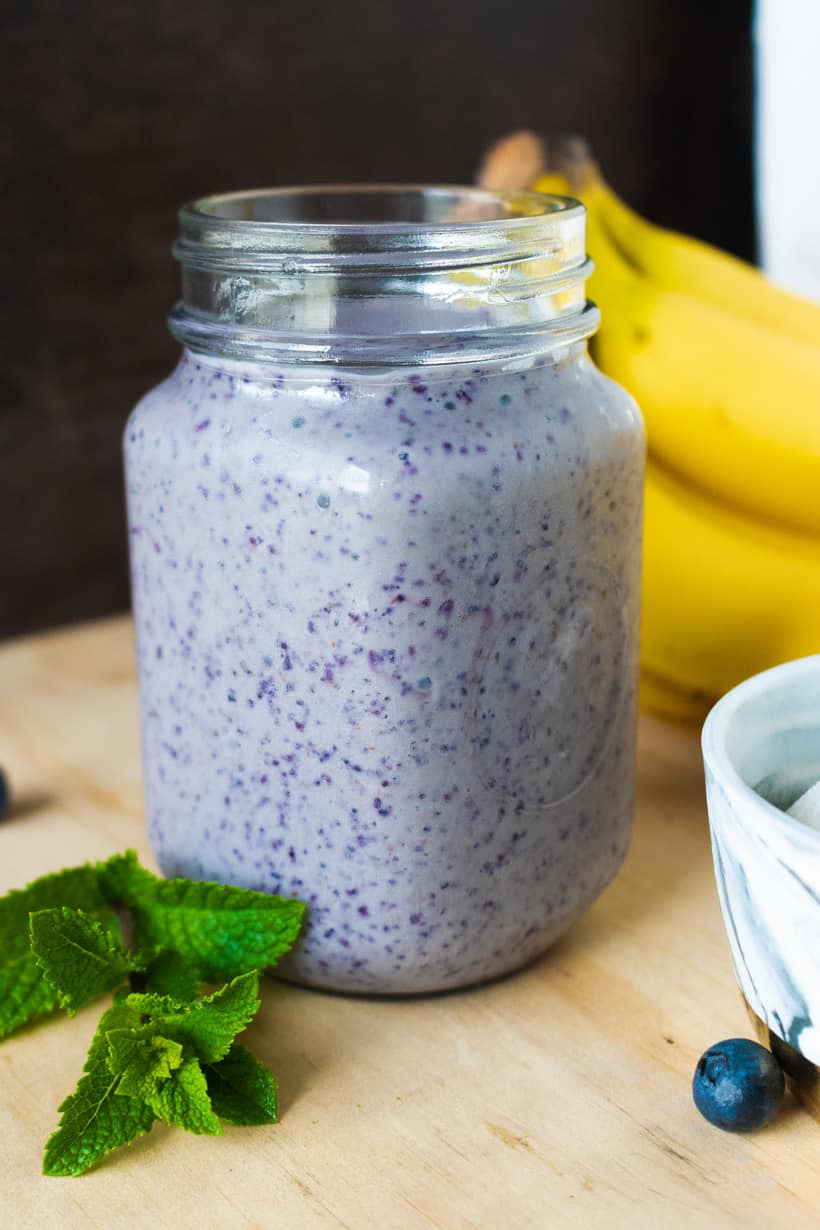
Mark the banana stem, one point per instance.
(513, 163)
(519, 159)
(572, 158)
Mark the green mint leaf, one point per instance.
(24, 993)
(141, 1060)
(183, 1099)
(159, 1008)
(211, 1026)
(208, 1026)
(124, 879)
(95, 1119)
(226, 930)
(173, 975)
(242, 1090)
(77, 955)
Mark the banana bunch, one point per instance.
(726, 369)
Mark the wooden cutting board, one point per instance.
(558, 1097)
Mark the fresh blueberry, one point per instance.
(4, 796)
(738, 1085)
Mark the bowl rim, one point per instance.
(718, 722)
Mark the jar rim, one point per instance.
(425, 225)
(331, 271)
(273, 214)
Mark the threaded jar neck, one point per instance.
(381, 275)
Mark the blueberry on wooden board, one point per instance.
(738, 1085)
(4, 796)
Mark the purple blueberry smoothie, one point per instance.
(387, 626)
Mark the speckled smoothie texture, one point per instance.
(387, 632)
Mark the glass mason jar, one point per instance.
(385, 533)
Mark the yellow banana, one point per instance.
(732, 403)
(724, 595)
(728, 403)
(553, 185)
(679, 262)
(688, 707)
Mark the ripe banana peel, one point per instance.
(729, 404)
(723, 595)
(679, 262)
(726, 369)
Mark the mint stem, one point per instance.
(126, 924)
(136, 979)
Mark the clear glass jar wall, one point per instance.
(385, 538)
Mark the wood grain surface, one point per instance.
(558, 1097)
(116, 111)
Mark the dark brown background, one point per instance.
(115, 111)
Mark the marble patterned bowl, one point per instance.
(761, 750)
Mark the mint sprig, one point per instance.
(165, 1049)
